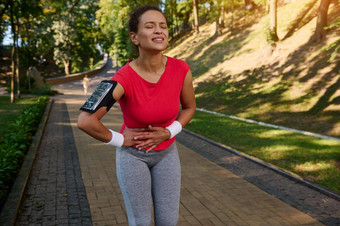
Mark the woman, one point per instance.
(150, 90)
(86, 82)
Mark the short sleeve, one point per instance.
(121, 76)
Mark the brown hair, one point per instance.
(137, 13)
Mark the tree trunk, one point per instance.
(13, 73)
(222, 15)
(67, 66)
(194, 2)
(17, 72)
(13, 54)
(321, 22)
(217, 17)
(273, 22)
(232, 15)
(17, 61)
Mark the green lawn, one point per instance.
(314, 159)
(9, 112)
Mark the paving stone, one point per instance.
(73, 180)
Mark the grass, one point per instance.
(313, 159)
(9, 112)
(292, 85)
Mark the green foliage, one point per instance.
(74, 33)
(16, 142)
(64, 35)
(9, 112)
(184, 9)
(112, 18)
(45, 90)
(58, 30)
(271, 36)
(334, 46)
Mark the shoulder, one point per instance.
(179, 63)
(121, 74)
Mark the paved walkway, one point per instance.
(73, 179)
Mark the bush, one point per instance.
(16, 142)
(45, 90)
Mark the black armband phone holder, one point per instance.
(102, 96)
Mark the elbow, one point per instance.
(81, 123)
(193, 112)
(193, 108)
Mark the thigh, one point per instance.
(135, 183)
(166, 183)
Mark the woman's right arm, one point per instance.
(91, 124)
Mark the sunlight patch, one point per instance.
(310, 167)
(333, 143)
(274, 132)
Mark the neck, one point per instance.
(151, 62)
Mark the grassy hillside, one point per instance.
(238, 73)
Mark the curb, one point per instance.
(270, 125)
(277, 169)
(77, 76)
(11, 207)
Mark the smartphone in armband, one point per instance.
(102, 96)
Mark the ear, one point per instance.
(133, 37)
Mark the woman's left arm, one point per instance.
(188, 101)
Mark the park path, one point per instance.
(73, 179)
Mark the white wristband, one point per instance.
(116, 140)
(175, 128)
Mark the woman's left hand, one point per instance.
(156, 136)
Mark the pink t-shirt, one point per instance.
(157, 104)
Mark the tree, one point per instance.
(321, 23)
(17, 69)
(74, 33)
(106, 20)
(65, 33)
(112, 18)
(64, 36)
(184, 10)
(3, 8)
(13, 51)
(217, 10)
(334, 46)
(170, 10)
(195, 6)
(272, 31)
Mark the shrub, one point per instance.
(16, 142)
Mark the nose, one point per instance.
(158, 30)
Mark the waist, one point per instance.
(164, 145)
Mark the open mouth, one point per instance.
(158, 39)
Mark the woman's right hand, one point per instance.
(130, 136)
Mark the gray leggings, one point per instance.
(147, 179)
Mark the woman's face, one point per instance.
(152, 32)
